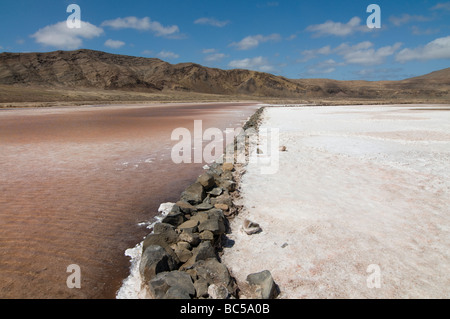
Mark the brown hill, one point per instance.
(62, 75)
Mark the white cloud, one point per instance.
(324, 67)
(212, 22)
(258, 63)
(206, 51)
(363, 53)
(61, 36)
(253, 41)
(311, 54)
(114, 44)
(215, 57)
(442, 6)
(168, 55)
(144, 24)
(406, 18)
(436, 49)
(337, 28)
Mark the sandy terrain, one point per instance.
(357, 186)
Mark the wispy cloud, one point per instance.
(114, 44)
(363, 53)
(212, 22)
(337, 28)
(324, 67)
(442, 6)
(253, 41)
(167, 55)
(436, 49)
(257, 63)
(144, 24)
(311, 54)
(407, 18)
(60, 36)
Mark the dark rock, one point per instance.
(204, 251)
(214, 225)
(206, 180)
(164, 239)
(190, 237)
(190, 224)
(185, 207)
(194, 194)
(216, 191)
(172, 285)
(214, 272)
(174, 218)
(200, 216)
(204, 206)
(207, 235)
(201, 288)
(155, 260)
(161, 228)
(266, 286)
(222, 199)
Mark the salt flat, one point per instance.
(357, 186)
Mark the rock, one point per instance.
(185, 207)
(190, 224)
(227, 175)
(227, 167)
(201, 288)
(222, 199)
(174, 218)
(155, 260)
(250, 227)
(164, 239)
(161, 228)
(223, 207)
(206, 235)
(200, 217)
(259, 151)
(217, 292)
(204, 206)
(283, 148)
(214, 272)
(264, 281)
(206, 180)
(228, 185)
(216, 191)
(171, 285)
(213, 225)
(194, 194)
(190, 237)
(204, 251)
(183, 254)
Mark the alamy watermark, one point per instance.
(230, 146)
(374, 279)
(74, 20)
(374, 20)
(74, 279)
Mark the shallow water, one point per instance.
(75, 182)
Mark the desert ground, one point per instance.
(358, 187)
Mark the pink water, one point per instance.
(76, 182)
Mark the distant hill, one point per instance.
(96, 70)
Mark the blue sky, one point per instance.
(296, 39)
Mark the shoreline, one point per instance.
(175, 220)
